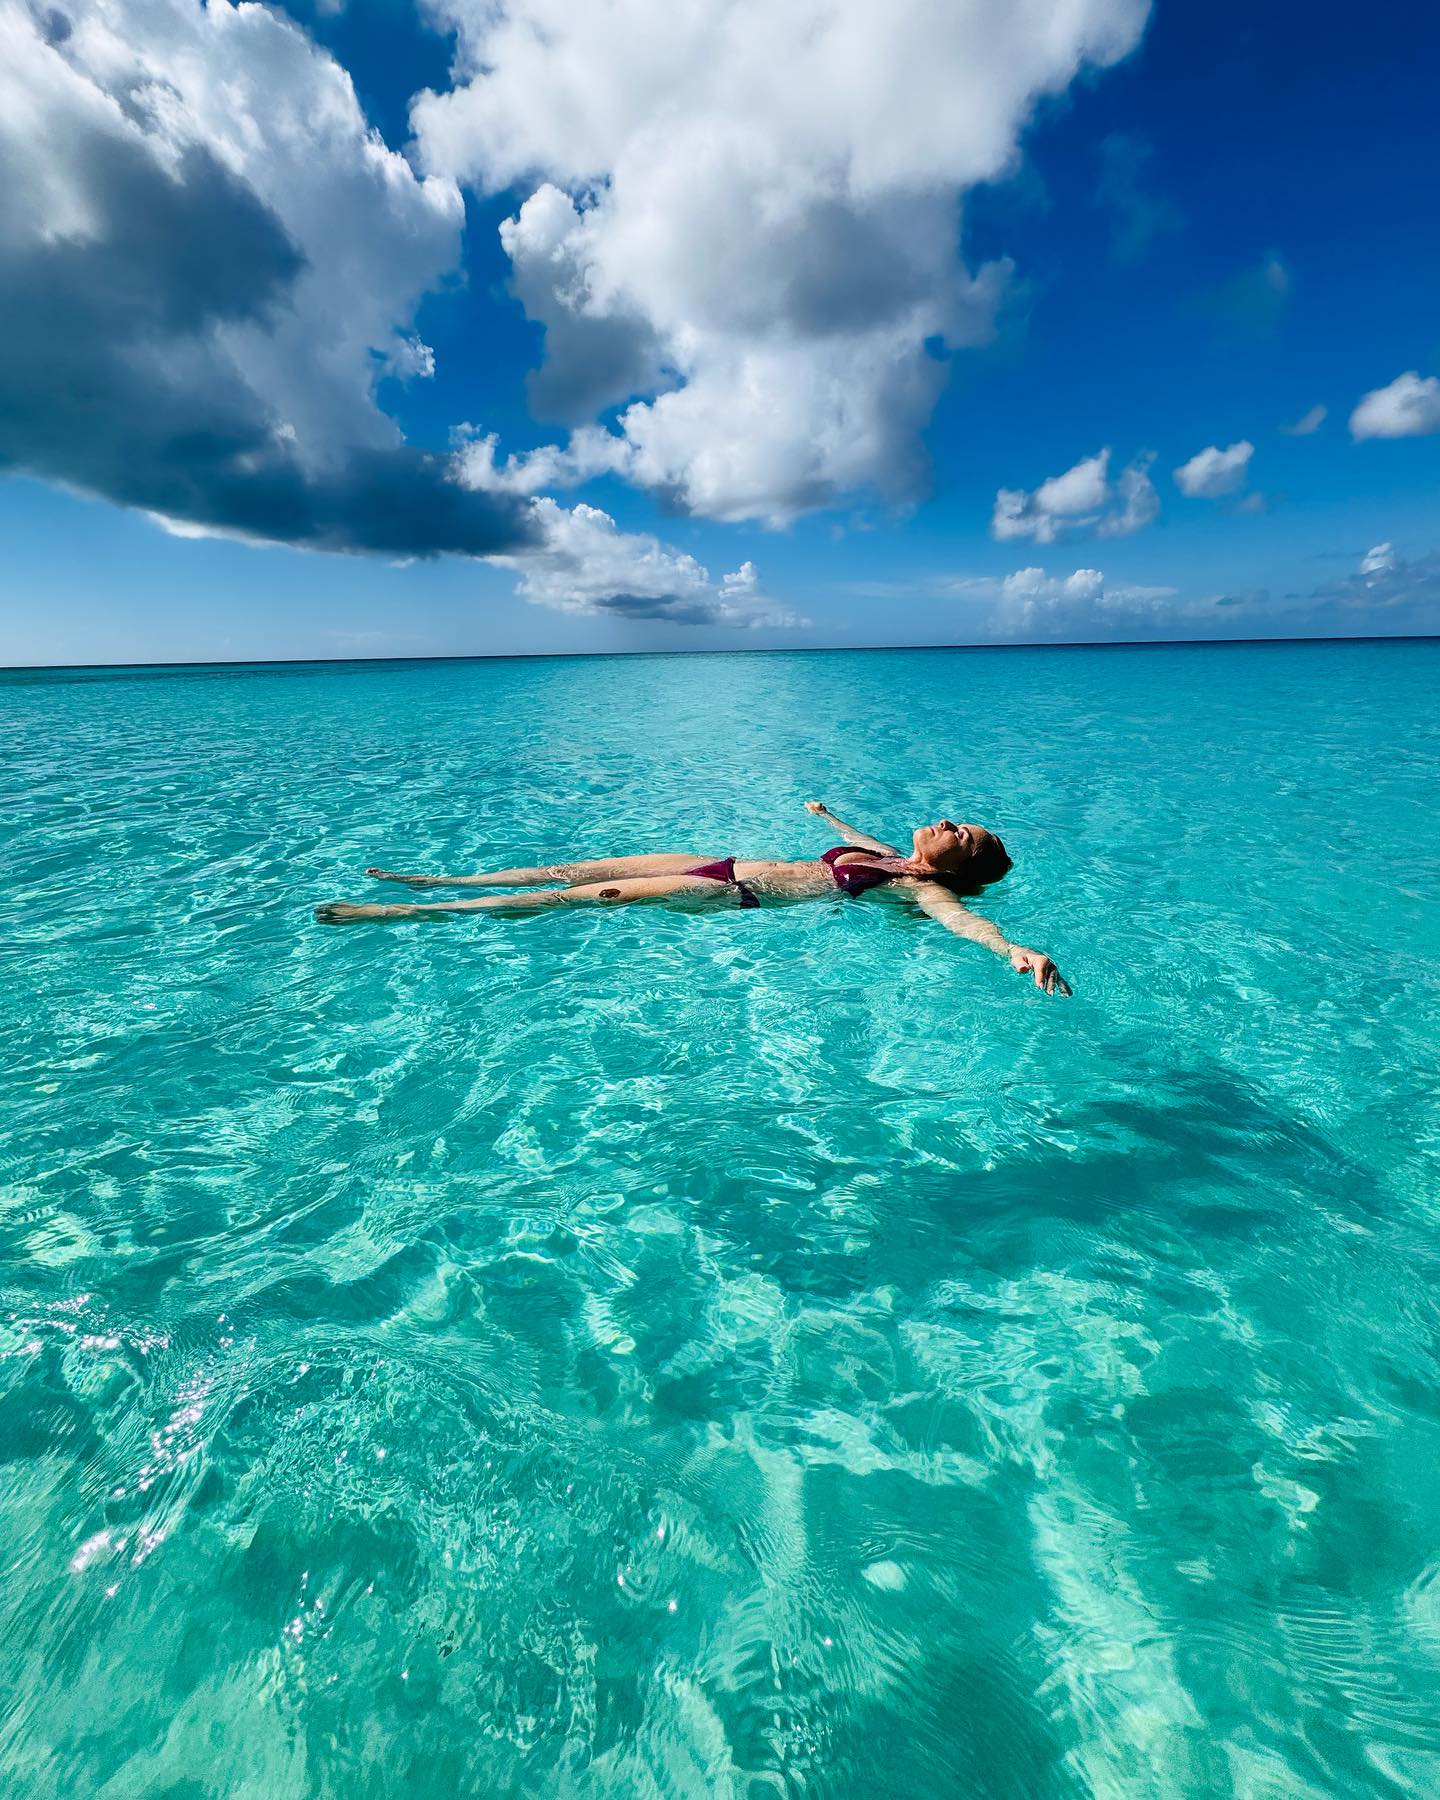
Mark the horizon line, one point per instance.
(297, 662)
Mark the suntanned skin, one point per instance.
(939, 849)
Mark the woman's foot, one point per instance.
(341, 912)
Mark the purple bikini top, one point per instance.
(856, 878)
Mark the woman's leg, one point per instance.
(595, 893)
(603, 869)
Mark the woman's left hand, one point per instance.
(1036, 963)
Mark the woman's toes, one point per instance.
(338, 912)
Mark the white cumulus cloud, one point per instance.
(1378, 560)
(589, 453)
(743, 219)
(1083, 499)
(1211, 473)
(584, 563)
(209, 260)
(1408, 407)
(1032, 603)
(1082, 489)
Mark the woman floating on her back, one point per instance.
(947, 861)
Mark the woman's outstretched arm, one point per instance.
(859, 839)
(955, 916)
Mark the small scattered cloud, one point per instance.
(1377, 561)
(1248, 600)
(1079, 490)
(1382, 594)
(407, 358)
(1386, 588)
(1307, 424)
(1080, 501)
(584, 563)
(1138, 214)
(1212, 473)
(591, 452)
(744, 602)
(1408, 407)
(1138, 501)
(1030, 603)
(1254, 503)
(1253, 302)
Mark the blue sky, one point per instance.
(841, 304)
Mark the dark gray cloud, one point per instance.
(590, 364)
(851, 269)
(593, 359)
(116, 378)
(679, 609)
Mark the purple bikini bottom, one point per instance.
(725, 871)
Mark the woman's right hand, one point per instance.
(1036, 964)
(816, 806)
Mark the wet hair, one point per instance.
(991, 862)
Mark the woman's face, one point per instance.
(945, 845)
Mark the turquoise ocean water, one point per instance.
(755, 1354)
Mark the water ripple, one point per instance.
(766, 1354)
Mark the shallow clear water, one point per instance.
(747, 1354)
